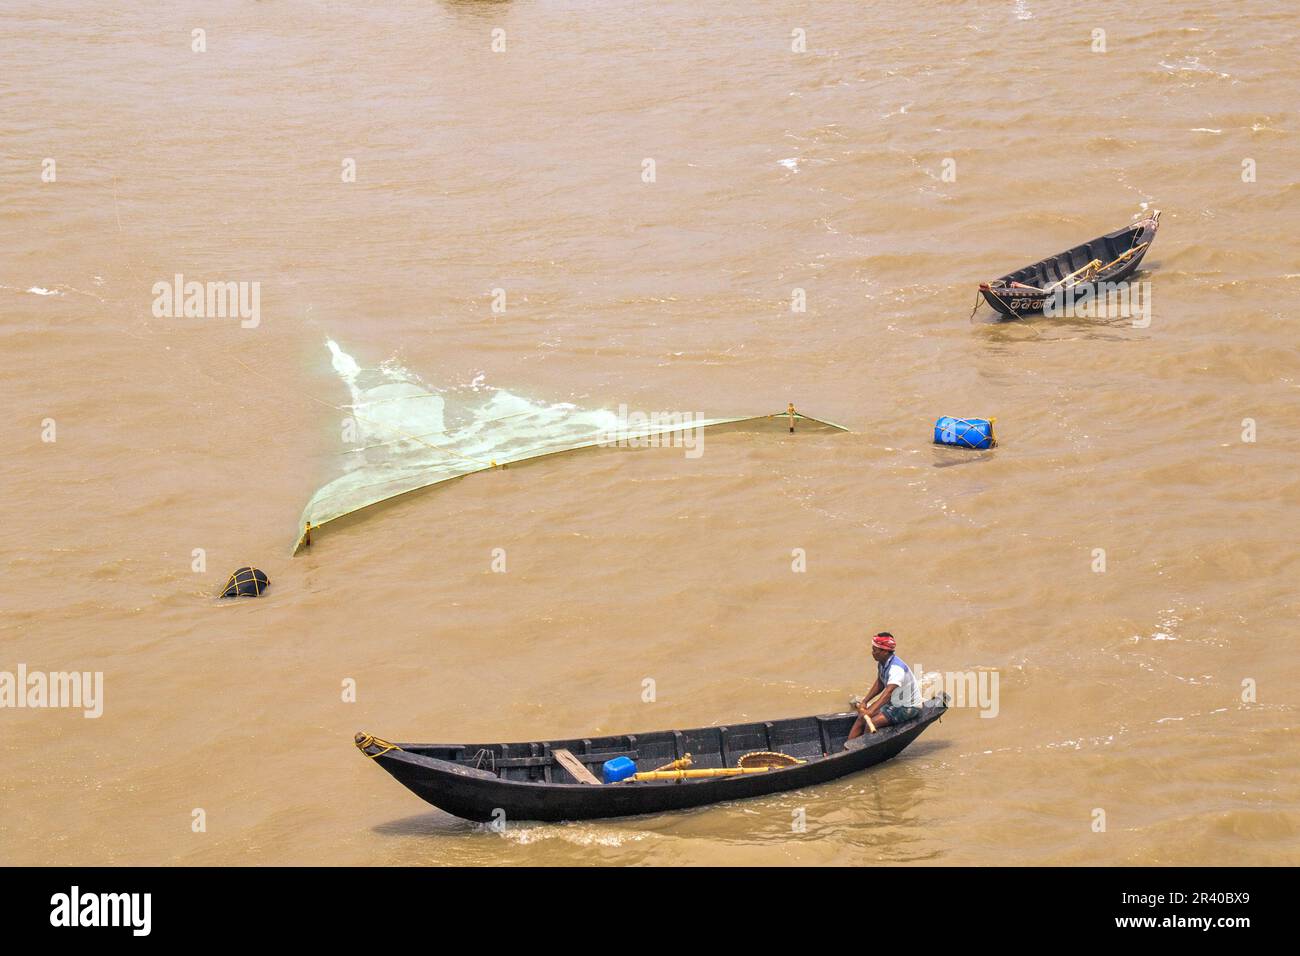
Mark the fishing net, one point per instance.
(401, 436)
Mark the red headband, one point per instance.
(884, 641)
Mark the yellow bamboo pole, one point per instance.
(696, 774)
(867, 703)
(1094, 264)
(1121, 258)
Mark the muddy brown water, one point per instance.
(775, 171)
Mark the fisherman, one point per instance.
(900, 700)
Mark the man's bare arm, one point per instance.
(875, 689)
(881, 701)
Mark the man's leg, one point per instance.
(858, 727)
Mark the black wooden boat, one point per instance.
(1109, 258)
(527, 781)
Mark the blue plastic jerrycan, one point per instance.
(620, 768)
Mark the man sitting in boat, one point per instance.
(894, 697)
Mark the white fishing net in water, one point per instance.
(405, 436)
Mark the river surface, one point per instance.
(1146, 713)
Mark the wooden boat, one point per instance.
(530, 781)
(1109, 258)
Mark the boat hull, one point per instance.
(482, 795)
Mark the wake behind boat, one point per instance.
(553, 780)
(1109, 258)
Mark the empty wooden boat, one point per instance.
(1109, 258)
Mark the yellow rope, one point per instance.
(365, 741)
(252, 576)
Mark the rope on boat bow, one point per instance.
(365, 741)
(988, 287)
